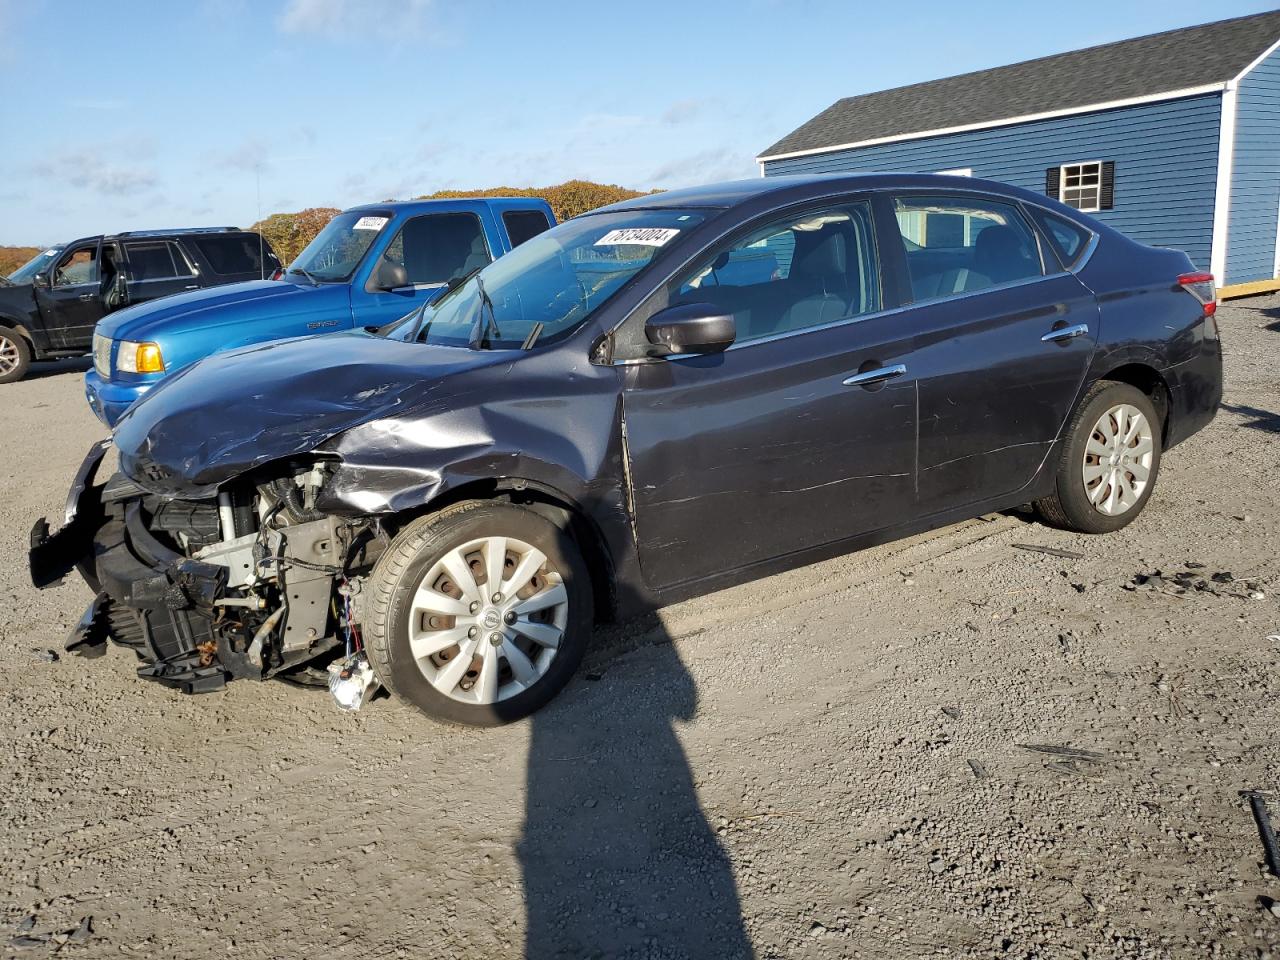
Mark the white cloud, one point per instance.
(88, 170)
(707, 166)
(682, 111)
(341, 18)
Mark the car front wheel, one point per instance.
(1109, 463)
(15, 356)
(479, 614)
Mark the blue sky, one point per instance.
(141, 113)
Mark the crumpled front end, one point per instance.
(251, 583)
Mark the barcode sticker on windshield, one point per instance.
(637, 236)
(370, 223)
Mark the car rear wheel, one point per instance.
(479, 614)
(15, 356)
(1109, 463)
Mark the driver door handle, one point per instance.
(876, 376)
(1066, 333)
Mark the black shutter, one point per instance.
(1107, 196)
(1052, 180)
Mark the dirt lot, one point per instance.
(785, 769)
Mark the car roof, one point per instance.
(730, 193)
(457, 203)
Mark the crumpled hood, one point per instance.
(243, 408)
(229, 303)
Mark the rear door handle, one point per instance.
(1066, 333)
(876, 376)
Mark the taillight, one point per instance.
(1200, 286)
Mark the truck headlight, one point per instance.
(139, 357)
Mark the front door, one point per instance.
(802, 433)
(1003, 340)
(70, 298)
(433, 249)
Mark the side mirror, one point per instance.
(391, 276)
(41, 279)
(691, 328)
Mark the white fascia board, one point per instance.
(1006, 122)
(1222, 195)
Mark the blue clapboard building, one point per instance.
(1173, 138)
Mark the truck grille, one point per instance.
(102, 355)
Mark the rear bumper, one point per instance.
(108, 400)
(1195, 392)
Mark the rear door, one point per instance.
(70, 298)
(800, 434)
(1004, 337)
(156, 268)
(434, 249)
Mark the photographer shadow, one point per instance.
(618, 859)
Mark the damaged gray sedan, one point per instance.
(648, 402)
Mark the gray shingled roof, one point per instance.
(1160, 63)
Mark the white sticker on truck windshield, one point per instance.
(370, 223)
(637, 236)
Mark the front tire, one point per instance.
(479, 614)
(1109, 463)
(15, 356)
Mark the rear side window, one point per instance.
(234, 253)
(958, 245)
(155, 260)
(1068, 240)
(524, 225)
(439, 247)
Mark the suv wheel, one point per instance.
(15, 356)
(479, 614)
(1109, 463)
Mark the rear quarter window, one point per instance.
(235, 253)
(524, 225)
(1069, 240)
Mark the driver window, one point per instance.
(76, 268)
(440, 247)
(807, 270)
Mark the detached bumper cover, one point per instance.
(53, 556)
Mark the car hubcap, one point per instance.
(488, 619)
(1117, 460)
(8, 356)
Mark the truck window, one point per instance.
(237, 253)
(438, 247)
(524, 225)
(155, 260)
(76, 268)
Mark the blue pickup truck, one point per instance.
(369, 266)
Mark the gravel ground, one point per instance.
(828, 763)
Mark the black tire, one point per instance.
(1069, 506)
(12, 342)
(413, 552)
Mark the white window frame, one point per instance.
(1081, 168)
(957, 172)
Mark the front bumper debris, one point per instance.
(52, 557)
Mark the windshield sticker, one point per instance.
(637, 237)
(370, 223)
(52, 251)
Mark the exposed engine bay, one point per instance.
(253, 584)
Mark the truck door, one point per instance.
(433, 249)
(70, 297)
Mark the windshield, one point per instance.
(332, 257)
(556, 280)
(41, 261)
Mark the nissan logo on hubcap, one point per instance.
(491, 619)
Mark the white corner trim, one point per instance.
(1005, 122)
(761, 166)
(1222, 196)
(1251, 67)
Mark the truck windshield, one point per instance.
(554, 280)
(41, 261)
(332, 257)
